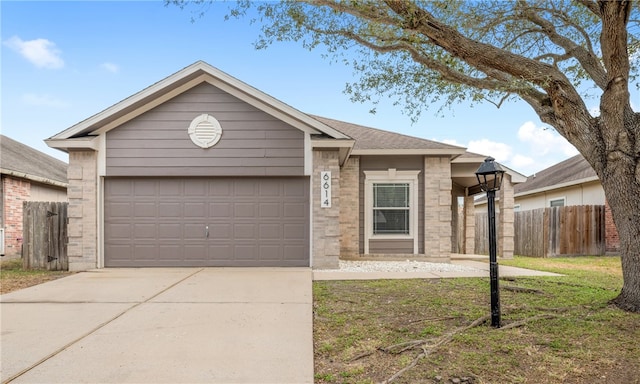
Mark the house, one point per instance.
(26, 175)
(201, 169)
(567, 183)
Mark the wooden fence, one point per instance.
(556, 231)
(44, 227)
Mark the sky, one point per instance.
(63, 62)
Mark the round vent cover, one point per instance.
(205, 131)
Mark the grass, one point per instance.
(586, 340)
(14, 277)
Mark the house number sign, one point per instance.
(325, 189)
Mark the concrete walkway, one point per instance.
(211, 325)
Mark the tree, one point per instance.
(553, 54)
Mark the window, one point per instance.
(391, 208)
(557, 202)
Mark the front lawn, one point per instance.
(555, 329)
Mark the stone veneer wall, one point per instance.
(325, 221)
(349, 208)
(506, 220)
(469, 225)
(437, 209)
(15, 192)
(83, 218)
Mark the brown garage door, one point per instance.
(239, 222)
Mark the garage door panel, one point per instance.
(294, 210)
(195, 209)
(244, 210)
(170, 209)
(244, 231)
(163, 222)
(170, 232)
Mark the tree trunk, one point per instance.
(621, 182)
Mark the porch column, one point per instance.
(437, 207)
(469, 225)
(350, 208)
(506, 218)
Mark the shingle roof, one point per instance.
(573, 169)
(24, 160)
(373, 138)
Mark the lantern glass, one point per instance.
(490, 175)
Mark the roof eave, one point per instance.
(422, 152)
(78, 143)
(39, 179)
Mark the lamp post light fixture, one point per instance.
(490, 176)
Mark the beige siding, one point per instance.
(253, 143)
(41, 192)
(583, 194)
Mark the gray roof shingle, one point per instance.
(373, 138)
(22, 159)
(573, 169)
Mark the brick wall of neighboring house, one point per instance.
(612, 240)
(15, 192)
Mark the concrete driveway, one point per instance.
(189, 325)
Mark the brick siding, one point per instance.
(15, 193)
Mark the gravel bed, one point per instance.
(399, 266)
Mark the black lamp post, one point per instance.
(490, 176)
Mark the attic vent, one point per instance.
(205, 131)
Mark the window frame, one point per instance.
(563, 199)
(391, 176)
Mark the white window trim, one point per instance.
(563, 199)
(391, 176)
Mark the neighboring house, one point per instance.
(201, 169)
(570, 182)
(26, 175)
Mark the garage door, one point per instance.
(221, 222)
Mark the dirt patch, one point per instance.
(13, 277)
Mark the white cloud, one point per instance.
(43, 101)
(543, 141)
(110, 67)
(521, 162)
(499, 151)
(40, 52)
